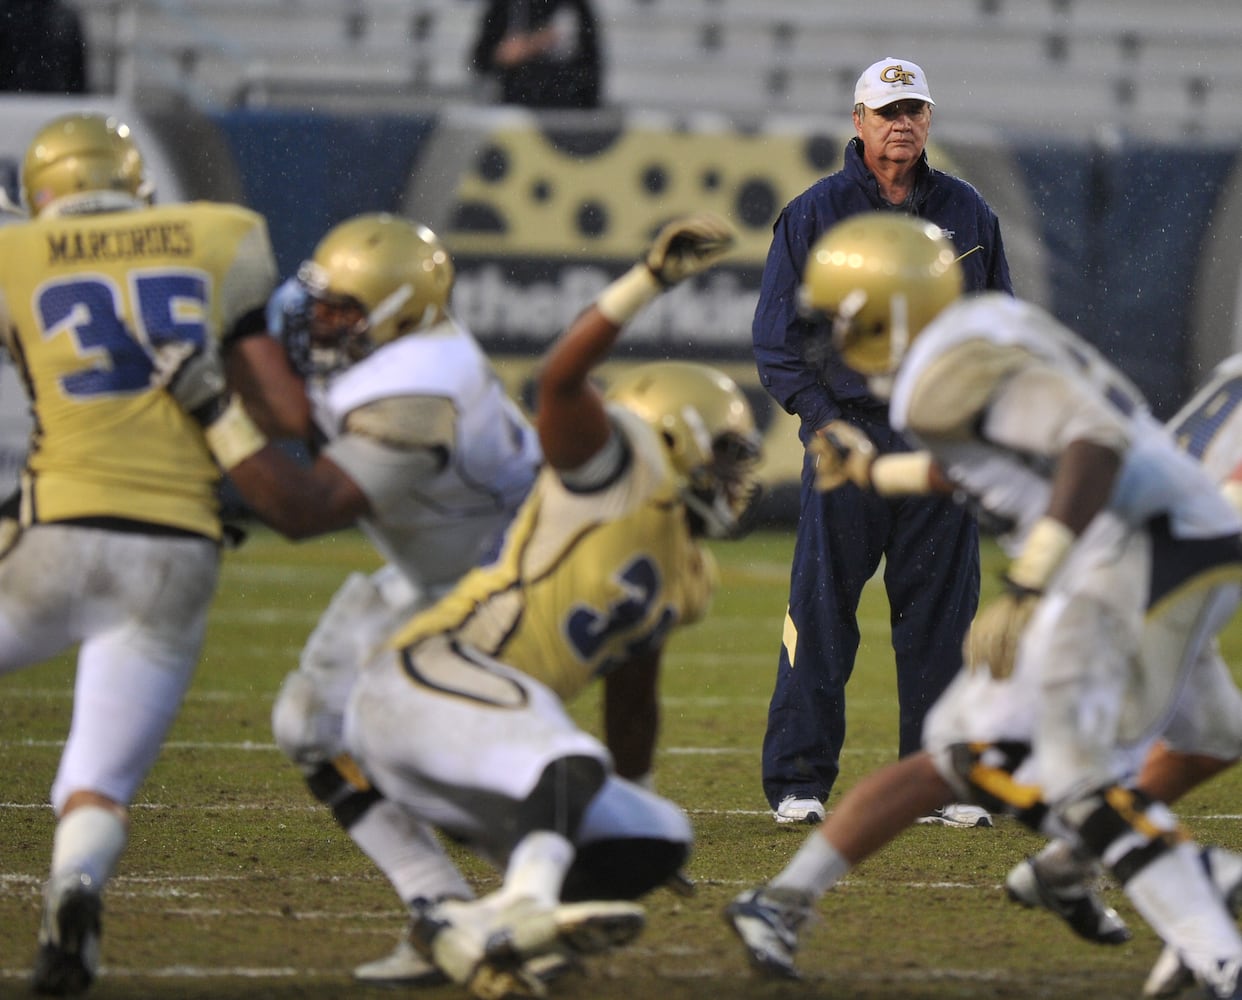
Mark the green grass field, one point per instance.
(236, 884)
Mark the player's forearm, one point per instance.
(571, 420)
(273, 393)
(568, 366)
(1083, 483)
(292, 498)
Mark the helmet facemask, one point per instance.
(372, 279)
(722, 497)
(330, 332)
(708, 432)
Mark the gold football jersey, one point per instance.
(89, 297)
(584, 580)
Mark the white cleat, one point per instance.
(499, 953)
(958, 815)
(796, 810)
(403, 966)
(1170, 976)
(768, 921)
(68, 957)
(1079, 905)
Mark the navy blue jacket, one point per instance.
(817, 394)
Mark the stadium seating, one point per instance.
(1066, 68)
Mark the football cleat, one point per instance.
(959, 815)
(768, 921)
(591, 928)
(795, 810)
(1225, 981)
(1170, 975)
(68, 956)
(1078, 905)
(403, 966)
(498, 951)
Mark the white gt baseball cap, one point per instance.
(890, 80)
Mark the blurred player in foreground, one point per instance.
(1128, 561)
(1201, 741)
(115, 544)
(424, 449)
(599, 565)
(417, 442)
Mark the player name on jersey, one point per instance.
(164, 239)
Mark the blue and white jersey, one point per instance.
(996, 389)
(424, 427)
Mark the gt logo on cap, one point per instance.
(897, 74)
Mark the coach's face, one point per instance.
(895, 133)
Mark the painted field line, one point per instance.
(251, 746)
(687, 970)
(17, 878)
(193, 972)
(152, 886)
(276, 807)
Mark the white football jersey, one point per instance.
(996, 389)
(436, 525)
(1209, 426)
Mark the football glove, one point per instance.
(843, 454)
(194, 376)
(993, 638)
(687, 246)
(992, 642)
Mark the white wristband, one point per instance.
(1233, 493)
(902, 473)
(629, 293)
(1045, 549)
(233, 437)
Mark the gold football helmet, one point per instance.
(709, 432)
(878, 279)
(372, 278)
(89, 155)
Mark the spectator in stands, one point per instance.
(42, 48)
(930, 546)
(541, 53)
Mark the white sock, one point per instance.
(89, 839)
(537, 867)
(816, 868)
(1176, 897)
(406, 851)
(1224, 868)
